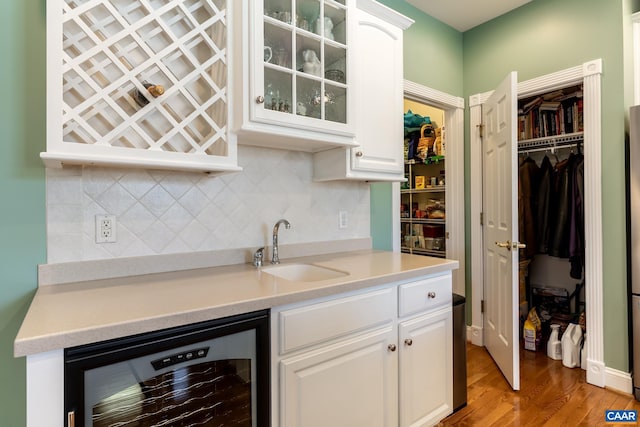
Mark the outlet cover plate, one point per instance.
(105, 229)
(344, 219)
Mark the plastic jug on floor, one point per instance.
(554, 346)
(571, 343)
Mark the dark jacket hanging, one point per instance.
(527, 199)
(546, 198)
(576, 235)
(559, 234)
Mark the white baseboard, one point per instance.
(618, 380)
(474, 334)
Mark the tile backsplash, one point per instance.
(164, 212)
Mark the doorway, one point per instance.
(453, 108)
(588, 75)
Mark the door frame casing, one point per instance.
(589, 75)
(453, 107)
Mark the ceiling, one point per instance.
(466, 14)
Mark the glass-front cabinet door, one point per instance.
(300, 67)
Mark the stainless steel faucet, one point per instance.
(275, 259)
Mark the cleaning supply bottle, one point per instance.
(554, 346)
(571, 342)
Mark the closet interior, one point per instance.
(551, 217)
(423, 193)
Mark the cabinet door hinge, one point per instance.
(481, 129)
(481, 306)
(481, 218)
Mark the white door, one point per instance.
(500, 212)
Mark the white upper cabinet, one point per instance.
(378, 90)
(294, 86)
(139, 83)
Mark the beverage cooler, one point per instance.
(212, 373)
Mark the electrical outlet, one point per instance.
(344, 219)
(105, 228)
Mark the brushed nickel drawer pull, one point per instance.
(408, 341)
(431, 294)
(391, 347)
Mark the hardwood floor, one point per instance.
(550, 395)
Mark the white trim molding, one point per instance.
(589, 74)
(454, 125)
(474, 335)
(619, 380)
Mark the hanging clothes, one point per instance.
(561, 226)
(576, 235)
(546, 198)
(528, 172)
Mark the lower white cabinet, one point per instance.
(426, 369)
(380, 368)
(349, 383)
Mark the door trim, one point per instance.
(589, 74)
(454, 196)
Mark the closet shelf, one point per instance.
(555, 141)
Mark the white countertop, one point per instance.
(68, 315)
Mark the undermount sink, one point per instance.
(303, 272)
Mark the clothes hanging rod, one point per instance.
(548, 149)
(551, 141)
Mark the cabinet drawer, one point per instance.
(315, 323)
(424, 295)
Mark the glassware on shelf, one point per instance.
(302, 23)
(335, 75)
(281, 57)
(305, 74)
(277, 91)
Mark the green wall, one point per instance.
(545, 36)
(22, 185)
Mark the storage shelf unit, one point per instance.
(420, 233)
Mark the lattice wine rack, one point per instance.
(139, 82)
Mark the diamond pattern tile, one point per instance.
(162, 212)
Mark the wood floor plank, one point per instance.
(551, 395)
